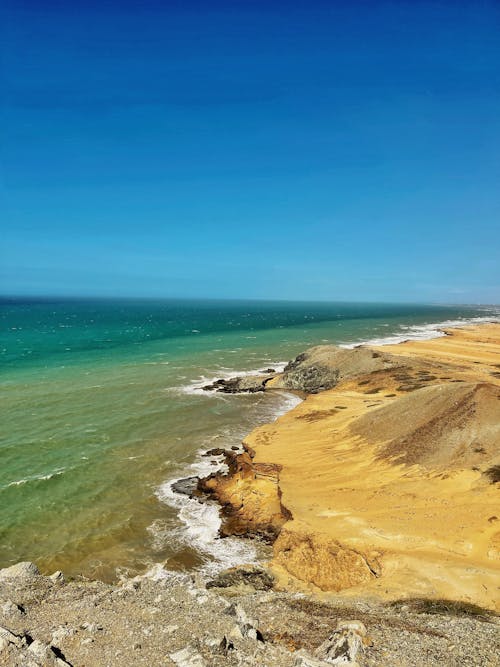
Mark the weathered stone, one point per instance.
(328, 564)
(343, 646)
(11, 608)
(246, 384)
(216, 451)
(188, 657)
(354, 626)
(186, 486)
(303, 659)
(57, 577)
(59, 662)
(225, 646)
(244, 575)
(25, 570)
(10, 637)
(249, 495)
(61, 633)
(41, 651)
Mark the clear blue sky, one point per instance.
(297, 150)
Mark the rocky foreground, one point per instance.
(235, 619)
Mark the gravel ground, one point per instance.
(176, 620)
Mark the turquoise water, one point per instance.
(101, 407)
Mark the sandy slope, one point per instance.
(386, 476)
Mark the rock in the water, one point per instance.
(244, 575)
(216, 451)
(25, 570)
(247, 384)
(186, 486)
(57, 577)
(343, 646)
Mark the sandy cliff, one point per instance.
(386, 483)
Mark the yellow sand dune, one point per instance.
(390, 482)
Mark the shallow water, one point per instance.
(101, 408)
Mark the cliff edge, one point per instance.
(386, 483)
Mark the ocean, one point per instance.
(102, 408)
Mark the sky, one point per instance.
(246, 149)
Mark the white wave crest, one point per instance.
(36, 478)
(200, 522)
(422, 331)
(195, 387)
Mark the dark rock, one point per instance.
(186, 486)
(216, 451)
(243, 575)
(238, 385)
(225, 646)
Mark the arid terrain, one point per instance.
(386, 483)
(379, 496)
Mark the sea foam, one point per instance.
(421, 331)
(200, 522)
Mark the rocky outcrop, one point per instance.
(324, 366)
(344, 645)
(246, 577)
(187, 486)
(20, 571)
(322, 561)
(248, 384)
(317, 369)
(249, 495)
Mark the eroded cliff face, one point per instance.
(387, 483)
(250, 497)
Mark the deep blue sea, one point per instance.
(102, 408)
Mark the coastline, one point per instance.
(344, 572)
(372, 523)
(204, 539)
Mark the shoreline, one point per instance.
(368, 565)
(192, 514)
(289, 614)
